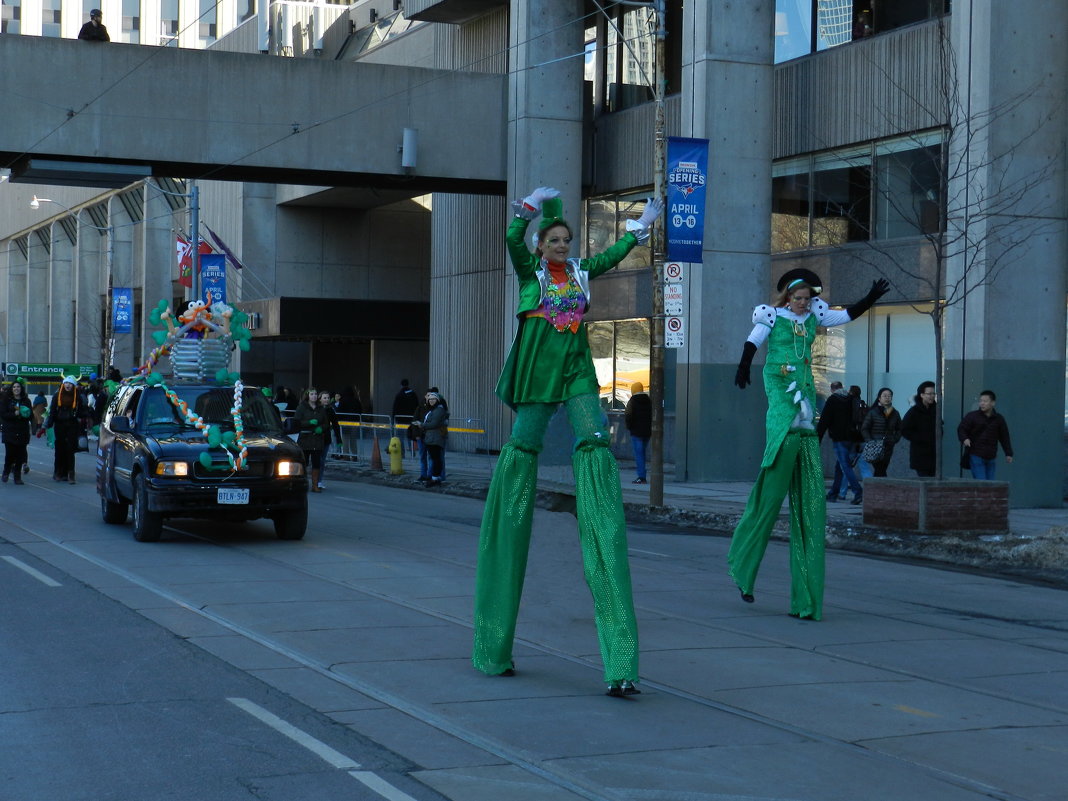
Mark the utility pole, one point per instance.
(656, 350)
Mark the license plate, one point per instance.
(233, 495)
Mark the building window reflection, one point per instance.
(808, 26)
(882, 190)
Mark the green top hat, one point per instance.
(552, 213)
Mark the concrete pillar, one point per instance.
(727, 99)
(127, 348)
(61, 291)
(13, 289)
(37, 300)
(1005, 323)
(156, 259)
(90, 286)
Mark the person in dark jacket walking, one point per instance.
(331, 431)
(980, 431)
(920, 427)
(882, 423)
(67, 415)
(311, 419)
(837, 420)
(638, 417)
(16, 412)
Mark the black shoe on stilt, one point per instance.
(748, 597)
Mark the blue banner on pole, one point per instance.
(687, 176)
(121, 309)
(213, 278)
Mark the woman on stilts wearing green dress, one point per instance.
(791, 463)
(550, 364)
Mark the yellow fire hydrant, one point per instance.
(396, 452)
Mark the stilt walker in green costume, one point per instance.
(791, 463)
(550, 364)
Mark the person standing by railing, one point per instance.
(331, 430)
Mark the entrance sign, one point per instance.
(51, 372)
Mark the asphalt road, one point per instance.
(352, 646)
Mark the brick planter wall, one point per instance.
(928, 505)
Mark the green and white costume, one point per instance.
(549, 365)
(791, 464)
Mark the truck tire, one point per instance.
(147, 526)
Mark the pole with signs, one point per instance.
(656, 351)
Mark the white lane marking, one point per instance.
(317, 747)
(37, 574)
(357, 500)
(379, 785)
(651, 553)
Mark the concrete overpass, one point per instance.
(204, 114)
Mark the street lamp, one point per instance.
(108, 346)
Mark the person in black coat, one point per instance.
(638, 417)
(920, 427)
(882, 423)
(67, 415)
(981, 431)
(16, 411)
(838, 419)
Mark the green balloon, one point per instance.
(205, 459)
(153, 317)
(228, 438)
(318, 429)
(162, 305)
(214, 437)
(243, 344)
(159, 336)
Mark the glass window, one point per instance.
(131, 21)
(606, 222)
(620, 351)
(841, 198)
(10, 16)
(838, 22)
(790, 205)
(908, 179)
(51, 17)
(209, 17)
(246, 9)
(793, 29)
(168, 23)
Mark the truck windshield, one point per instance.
(215, 405)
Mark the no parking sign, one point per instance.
(674, 332)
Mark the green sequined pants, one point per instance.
(504, 540)
(797, 471)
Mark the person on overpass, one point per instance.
(94, 30)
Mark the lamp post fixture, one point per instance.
(108, 345)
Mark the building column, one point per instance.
(90, 283)
(37, 297)
(14, 300)
(1012, 77)
(157, 260)
(128, 351)
(728, 99)
(61, 312)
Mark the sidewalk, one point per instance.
(1036, 546)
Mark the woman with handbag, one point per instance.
(792, 463)
(881, 430)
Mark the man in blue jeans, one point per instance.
(638, 417)
(837, 419)
(980, 431)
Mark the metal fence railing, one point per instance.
(467, 435)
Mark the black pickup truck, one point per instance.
(152, 457)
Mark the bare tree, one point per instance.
(974, 198)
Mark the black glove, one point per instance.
(878, 289)
(741, 378)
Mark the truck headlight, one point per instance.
(287, 468)
(172, 469)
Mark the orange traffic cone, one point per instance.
(376, 455)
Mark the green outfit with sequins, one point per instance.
(547, 367)
(791, 466)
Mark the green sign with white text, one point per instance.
(50, 372)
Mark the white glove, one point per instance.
(653, 207)
(539, 196)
